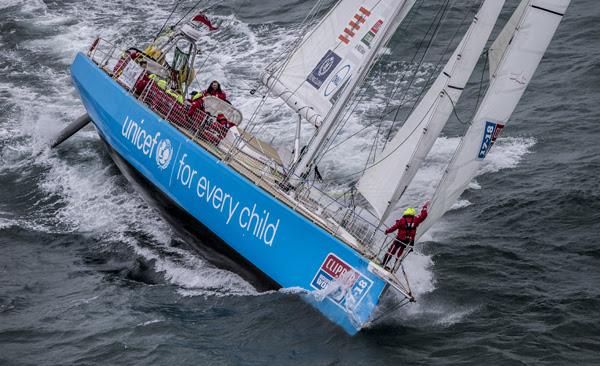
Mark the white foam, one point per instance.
(507, 153)
(427, 313)
(150, 322)
(26, 6)
(93, 200)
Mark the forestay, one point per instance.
(386, 180)
(531, 30)
(331, 57)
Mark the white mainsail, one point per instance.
(387, 179)
(324, 70)
(331, 54)
(531, 30)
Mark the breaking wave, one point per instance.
(92, 198)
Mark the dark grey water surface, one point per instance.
(89, 274)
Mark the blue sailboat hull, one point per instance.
(271, 239)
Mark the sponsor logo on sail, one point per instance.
(490, 134)
(337, 80)
(354, 25)
(370, 36)
(354, 284)
(323, 69)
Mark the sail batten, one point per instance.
(519, 50)
(388, 178)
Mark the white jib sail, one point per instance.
(330, 58)
(531, 30)
(387, 179)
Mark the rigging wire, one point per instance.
(372, 152)
(389, 312)
(442, 12)
(252, 123)
(479, 94)
(412, 132)
(435, 30)
(357, 99)
(192, 9)
(414, 74)
(166, 21)
(355, 102)
(481, 82)
(425, 88)
(294, 45)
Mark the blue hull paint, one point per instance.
(281, 243)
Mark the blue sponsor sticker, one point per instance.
(323, 69)
(490, 134)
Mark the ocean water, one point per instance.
(90, 274)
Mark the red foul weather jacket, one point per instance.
(219, 94)
(407, 227)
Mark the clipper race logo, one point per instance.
(490, 134)
(323, 69)
(355, 287)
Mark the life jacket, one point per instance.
(178, 97)
(196, 102)
(153, 52)
(407, 229)
(216, 93)
(141, 84)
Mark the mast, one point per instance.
(388, 178)
(514, 58)
(323, 135)
(323, 72)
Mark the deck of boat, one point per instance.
(263, 166)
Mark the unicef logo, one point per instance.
(164, 153)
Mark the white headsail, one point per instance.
(387, 179)
(517, 52)
(323, 71)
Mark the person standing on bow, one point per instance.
(214, 89)
(407, 230)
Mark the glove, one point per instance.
(425, 206)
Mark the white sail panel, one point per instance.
(387, 179)
(375, 41)
(503, 39)
(518, 63)
(331, 57)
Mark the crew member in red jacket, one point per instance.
(214, 89)
(407, 230)
(196, 102)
